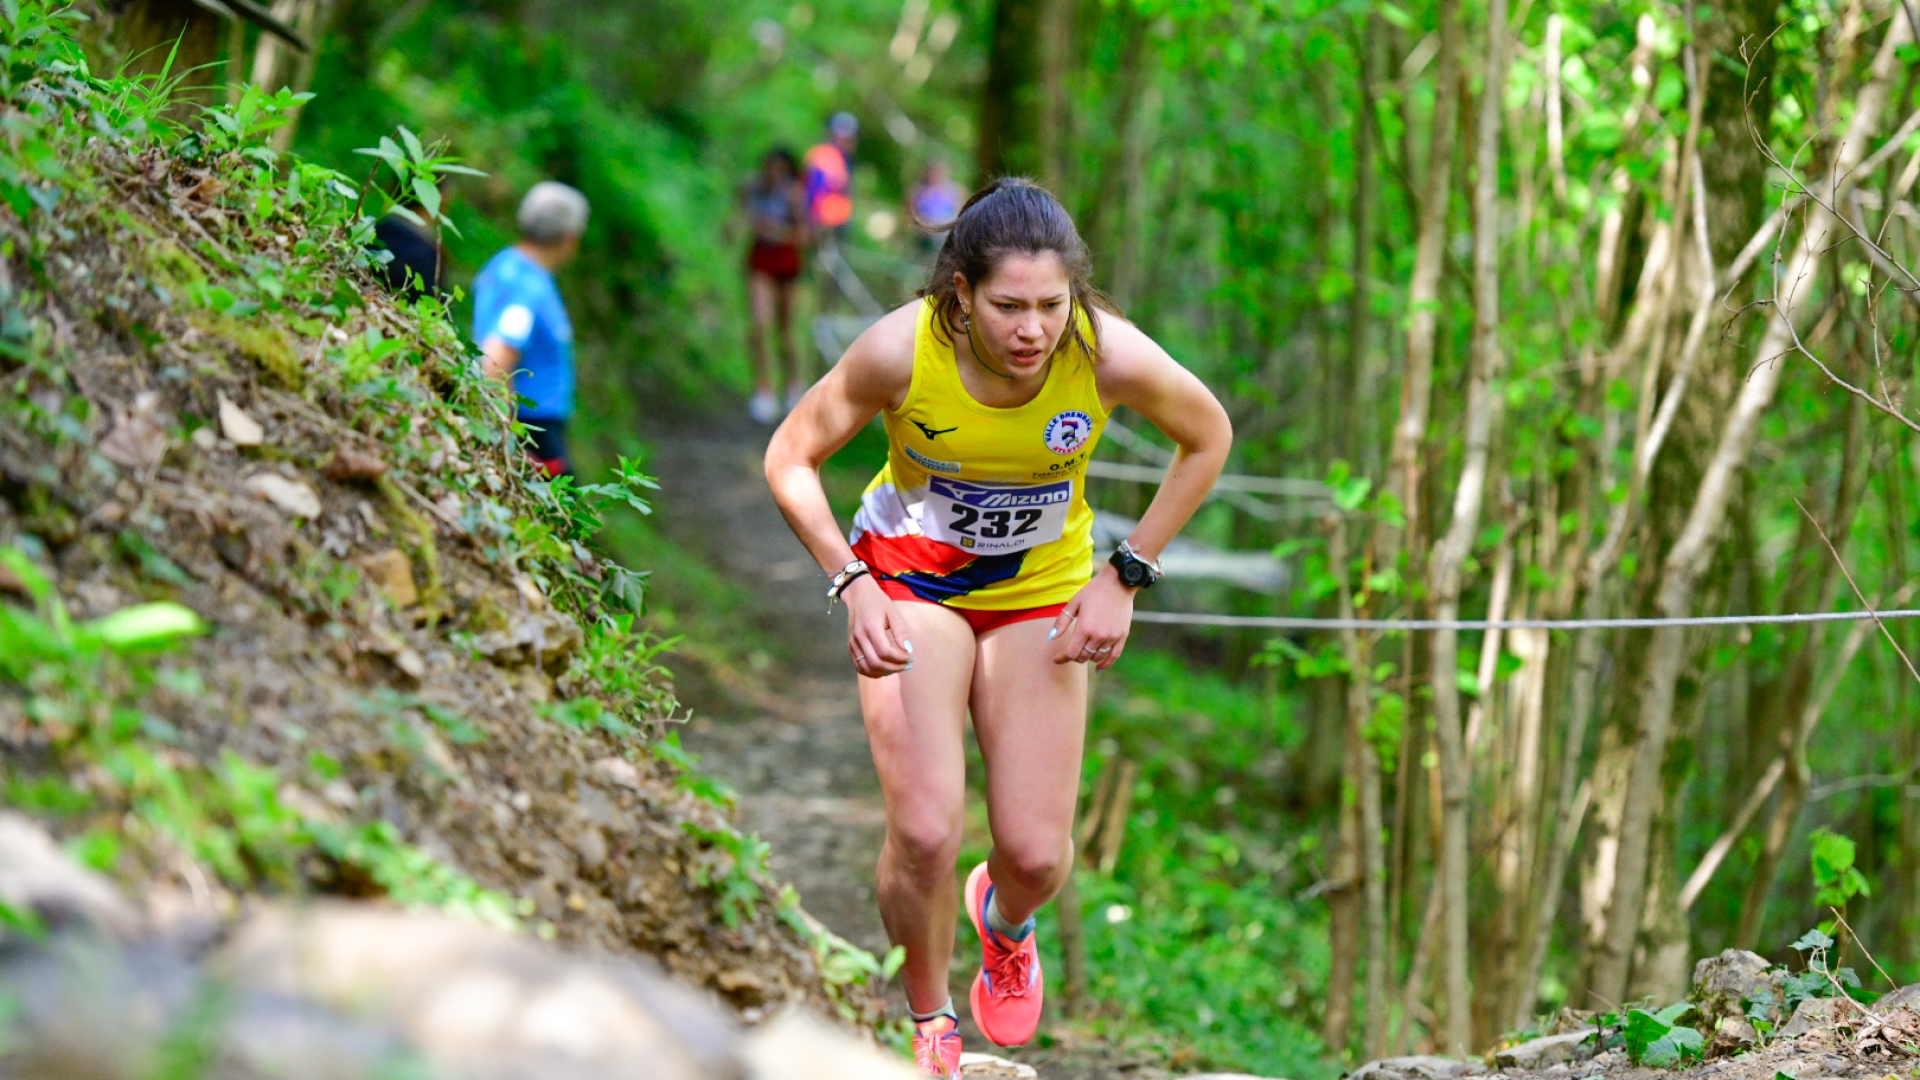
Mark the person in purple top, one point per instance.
(522, 326)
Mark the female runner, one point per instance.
(969, 579)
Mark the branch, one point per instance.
(1848, 574)
(252, 12)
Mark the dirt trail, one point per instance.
(799, 759)
(799, 756)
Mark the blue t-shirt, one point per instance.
(514, 299)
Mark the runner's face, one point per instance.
(1020, 311)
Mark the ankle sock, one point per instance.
(1006, 928)
(944, 1010)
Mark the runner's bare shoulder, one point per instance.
(879, 363)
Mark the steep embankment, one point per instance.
(405, 673)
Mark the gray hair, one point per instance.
(551, 212)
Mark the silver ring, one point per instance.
(1104, 649)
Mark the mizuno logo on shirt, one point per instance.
(931, 432)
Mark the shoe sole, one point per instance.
(973, 891)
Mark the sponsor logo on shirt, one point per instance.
(988, 498)
(931, 464)
(1067, 432)
(932, 433)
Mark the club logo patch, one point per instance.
(1067, 432)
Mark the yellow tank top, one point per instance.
(980, 507)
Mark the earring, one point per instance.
(966, 320)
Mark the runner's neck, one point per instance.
(993, 388)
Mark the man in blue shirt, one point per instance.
(521, 325)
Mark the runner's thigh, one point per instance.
(1030, 716)
(916, 722)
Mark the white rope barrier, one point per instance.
(1286, 622)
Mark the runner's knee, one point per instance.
(1035, 865)
(927, 849)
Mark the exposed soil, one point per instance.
(315, 650)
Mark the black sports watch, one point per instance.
(1135, 572)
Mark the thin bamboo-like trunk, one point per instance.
(1450, 554)
(1366, 781)
(1073, 944)
(1358, 424)
(1691, 551)
(1556, 126)
(1423, 291)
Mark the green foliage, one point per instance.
(1196, 939)
(81, 684)
(703, 786)
(1659, 1040)
(1835, 879)
(1820, 979)
(418, 170)
(843, 965)
(733, 865)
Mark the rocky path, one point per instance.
(798, 754)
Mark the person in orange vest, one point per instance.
(829, 176)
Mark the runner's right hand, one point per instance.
(876, 631)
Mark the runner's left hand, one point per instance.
(1095, 623)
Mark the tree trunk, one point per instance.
(1343, 898)
(176, 36)
(1056, 71)
(1073, 944)
(1423, 291)
(1450, 553)
(1687, 560)
(1359, 425)
(1365, 765)
(1010, 109)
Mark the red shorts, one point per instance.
(981, 621)
(781, 262)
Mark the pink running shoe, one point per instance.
(1008, 992)
(936, 1047)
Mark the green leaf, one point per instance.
(1644, 1029)
(147, 626)
(1674, 1012)
(1813, 939)
(428, 195)
(414, 149)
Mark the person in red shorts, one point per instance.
(969, 577)
(776, 202)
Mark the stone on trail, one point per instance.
(1548, 1050)
(392, 571)
(291, 497)
(1907, 997)
(359, 991)
(988, 1067)
(239, 428)
(1812, 1013)
(38, 879)
(1723, 984)
(1418, 1067)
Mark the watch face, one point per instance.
(1133, 574)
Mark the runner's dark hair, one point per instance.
(1013, 215)
(781, 154)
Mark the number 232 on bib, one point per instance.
(995, 519)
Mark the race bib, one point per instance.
(995, 519)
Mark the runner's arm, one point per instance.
(874, 374)
(1136, 372)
